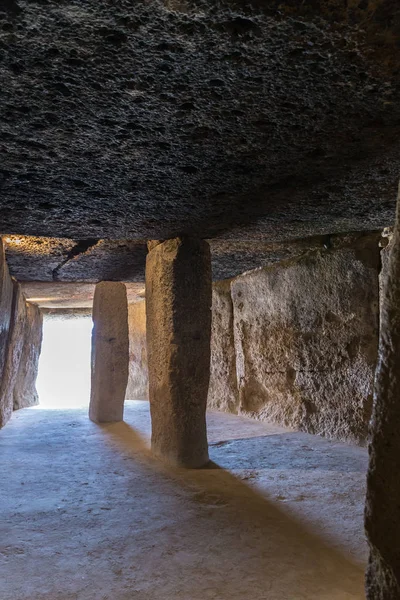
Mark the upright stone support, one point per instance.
(178, 309)
(110, 352)
(382, 514)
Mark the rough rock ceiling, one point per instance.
(146, 119)
(62, 295)
(70, 295)
(58, 262)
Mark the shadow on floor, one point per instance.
(294, 557)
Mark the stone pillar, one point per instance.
(178, 315)
(382, 513)
(110, 352)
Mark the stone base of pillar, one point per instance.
(178, 315)
(110, 353)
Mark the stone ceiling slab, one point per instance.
(88, 261)
(146, 120)
(61, 295)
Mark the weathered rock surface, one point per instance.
(25, 393)
(74, 265)
(6, 311)
(6, 298)
(145, 119)
(178, 315)
(138, 381)
(223, 390)
(382, 514)
(110, 352)
(63, 295)
(306, 334)
(15, 345)
(386, 244)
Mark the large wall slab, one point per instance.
(15, 346)
(20, 343)
(138, 381)
(6, 299)
(306, 335)
(223, 390)
(25, 393)
(6, 323)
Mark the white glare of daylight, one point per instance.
(64, 365)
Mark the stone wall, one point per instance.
(18, 369)
(9, 305)
(14, 352)
(6, 300)
(138, 382)
(25, 393)
(223, 390)
(306, 335)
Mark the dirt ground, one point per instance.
(88, 514)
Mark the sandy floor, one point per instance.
(88, 514)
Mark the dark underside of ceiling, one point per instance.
(135, 120)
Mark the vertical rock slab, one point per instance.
(25, 393)
(110, 352)
(178, 307)
(306, 336)
(14, 351)
(382, 513)
(6, 299)
(223, 390)
(6, 312)
(138, 381)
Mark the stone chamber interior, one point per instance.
(199, 300)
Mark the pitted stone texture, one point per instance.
(110, 352)
(32, 258)
(382, 514)
(60, 261)
(6, 323)
(14, 351)
(386, 244)
(306, 334)
(138, 381)
(178, 315)
(223, 390)
(149, 119)
(6, 298)
(72, 295)
(25, 393)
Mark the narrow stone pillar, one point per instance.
(382, 513)
(178, 316)
(110, 352)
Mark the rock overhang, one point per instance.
(60, 272)
(145, 121)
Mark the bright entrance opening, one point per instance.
(64, 366)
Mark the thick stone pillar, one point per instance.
(382, 514)
(110, 352)
(178, 310)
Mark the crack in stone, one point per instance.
(80, 247)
